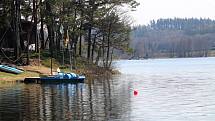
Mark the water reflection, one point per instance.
(96, 100)
(168, 90)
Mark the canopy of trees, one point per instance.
(86, 28)
(174, 37)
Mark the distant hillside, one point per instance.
(174, 38)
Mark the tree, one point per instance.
(174, 37)
(92, 24)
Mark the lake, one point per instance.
(168, 90)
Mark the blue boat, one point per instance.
(59, 78)
(9, 69)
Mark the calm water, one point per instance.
(168, 90)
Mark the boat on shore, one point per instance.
(10, 69)
(59, 78)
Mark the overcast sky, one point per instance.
(155, 9)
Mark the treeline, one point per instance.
(78, 28)
(174, 38)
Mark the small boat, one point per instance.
(59, 78)
(9, 69)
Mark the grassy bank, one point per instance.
(13, 77)
(35, 69)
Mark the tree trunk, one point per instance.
(50, 27)
(103, 50)
(108, 46)
(75, 46)
(28, 40)
(35, 26)
(80, 44)
(70, 59)
(80, 36)
(111, 59)
(58, 39)
(89, 44)
(98, 55)
(17, 29)
(75, 37)
(42, 30)
(93, 48)
(89, 35)
(50, 31)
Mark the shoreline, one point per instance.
(37, 71)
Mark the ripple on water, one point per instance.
(168, 90)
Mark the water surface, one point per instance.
(168, 90)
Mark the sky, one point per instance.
(155, 9)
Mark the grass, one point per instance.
(13, 77)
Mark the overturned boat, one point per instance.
(10, 69)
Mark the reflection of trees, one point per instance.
(100, 99)
(10, 100)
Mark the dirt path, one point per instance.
(38, 69)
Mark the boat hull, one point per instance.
(50, 80)
(45, 80)
(9, 69)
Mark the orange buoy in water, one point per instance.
(135, 92)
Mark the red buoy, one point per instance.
(135, 92)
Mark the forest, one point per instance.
(178, 37)
(65, 30)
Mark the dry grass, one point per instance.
(13, 77)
